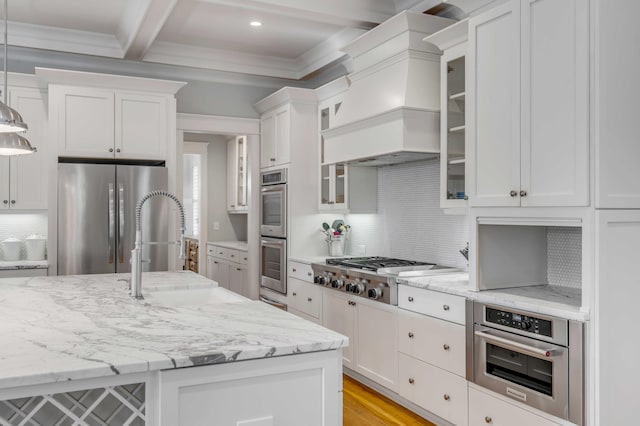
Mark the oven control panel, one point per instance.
(518, 321)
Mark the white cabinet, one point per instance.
(24, 178)
(228, 267)
(237, 175)
(527, 90)
(105, 123)
(275, 131)
(304, 297)
(484, 409)
(345, 189)
(372, 329)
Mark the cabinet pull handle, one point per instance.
(445, 307)
(445, 347)
(294, 269)
(117, 149)
(294, 294)
(5, 201)
(411, 381)
(309, 299)
(513, 193)
(238, 269)
(410, 299)
(13, 201)
(523, 193)
(272, 159)
(110, 149)
(215, 262)
(308, 273)
(410, 335)
(446, 397)
(488, 419)
(233, 205)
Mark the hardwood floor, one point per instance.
(363, 406)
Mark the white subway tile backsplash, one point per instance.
(564, 256)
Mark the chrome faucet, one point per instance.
(136, 253)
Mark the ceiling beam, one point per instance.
(363, 14)
(140, 25)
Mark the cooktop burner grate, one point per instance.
(373, 263)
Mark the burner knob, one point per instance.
(317, 278)
(322, 279)
(375, 293)
(358, 289)
(349, 288)
(525, 325)
(337, 283)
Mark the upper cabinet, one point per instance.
(527, 116)
(343, 188)
(276, 137)
(105, 116)
(23, 178)
(237, 175)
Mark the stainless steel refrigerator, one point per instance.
(96, 217)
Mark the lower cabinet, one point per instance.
(304, 297)
(228, 268)
(485, 409)
(372, 329)
(438, 391)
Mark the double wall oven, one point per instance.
(532, 358)
(273, 230)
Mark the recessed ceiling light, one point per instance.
(255, 23)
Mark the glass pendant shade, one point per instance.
(10, 120)
(14, 144)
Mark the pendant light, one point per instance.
(11, 143)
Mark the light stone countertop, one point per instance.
(559, 301)
(78, 327)
(234, 245)
(23, 264)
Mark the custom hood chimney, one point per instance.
(390, 113)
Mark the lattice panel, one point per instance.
(108, 406)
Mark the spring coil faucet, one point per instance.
(136, 253)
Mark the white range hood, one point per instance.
(390, 113)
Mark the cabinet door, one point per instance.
(4, 182)
(555, 104)
(493, 110)
(210, 267)
(376, 355)
(220, 272)
(267, 140)
(85, 121)
(238, 279)
(231, 176)
(141, 126)
(30, 173)
(485, 410)
(241, 172)
(283, 135)
(617, 293)
(339, 315)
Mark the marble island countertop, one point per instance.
(23, 264)
(78, 327)
(564, 302)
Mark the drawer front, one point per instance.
(241, 257)
(211, 250)
(433, 303)
(486, 410)
(436, 390)
(227, 253)
(304, 297)
(301, 271)
(438, 342)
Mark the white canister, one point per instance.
(11, 248)
(35, 247)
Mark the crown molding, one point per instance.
(326, 52)
(140, 25)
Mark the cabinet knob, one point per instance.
(294, 294)
(238, 269)
(272, 159)
(523, 193)
(294, 269)
(110, 149)
(309, 299)
(117, 149)
(513, 193)
(246, 259)
(233, 205)
(445, 347)
(13, 201)
(215, 262)
(446, 397)
(410, 299)
(308, 273)
(5, 201)
(410, 335)
(445, 307)
(411, 381)
(488, 419)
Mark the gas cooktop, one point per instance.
(374, 263)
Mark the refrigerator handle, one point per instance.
(112, 222)
(120, 223)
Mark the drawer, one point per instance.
(440, 343)
(301, 271)
(304, 297)
(487, 410)
(433, 303)
(227, 253)
(241, 257)
(436, 390)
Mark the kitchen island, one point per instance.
(72, 337)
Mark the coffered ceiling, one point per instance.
(296, 38)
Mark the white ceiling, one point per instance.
(297, 38)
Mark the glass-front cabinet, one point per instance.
(237, 175)
(333, 176)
